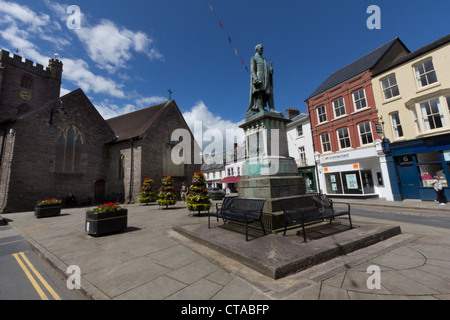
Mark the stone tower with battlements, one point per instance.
(25, 86)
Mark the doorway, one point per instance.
(99, 194)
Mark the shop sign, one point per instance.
(379, 129)
(405, 160)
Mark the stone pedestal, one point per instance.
(269, 172)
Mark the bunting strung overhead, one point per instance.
(229, 38)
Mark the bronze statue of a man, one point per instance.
(261, 83)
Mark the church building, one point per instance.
(51, 146)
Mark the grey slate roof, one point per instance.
(136, 124)
(417, 53)
(368, 62)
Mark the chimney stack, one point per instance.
(291, 113)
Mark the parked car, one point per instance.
(216, 193)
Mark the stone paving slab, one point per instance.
(278, 256)
(144, 262)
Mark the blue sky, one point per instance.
(127, 54)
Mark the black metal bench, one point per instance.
(310, 208)
(240, 210)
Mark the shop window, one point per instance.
(365, 132)
(429, 166)
(397, 125)
(333, 181)
(428, 172)
(433, 116)
(309, 181)
(352, 182)
(343, 138)
(425, 73)
(359, 99)
(428, 157)
(339, 107)
(390, 87)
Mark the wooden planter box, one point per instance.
(98, 224)
(47, 210)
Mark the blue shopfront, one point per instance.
(414, 164)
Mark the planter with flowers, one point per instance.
(166, 196)
(105, 219)
(48, 208)
(198, 197)
(147, 195)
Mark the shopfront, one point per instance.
(417, 163)
(356, 173)
(309, 174)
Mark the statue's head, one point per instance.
(259, 48)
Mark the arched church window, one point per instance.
(68, 151)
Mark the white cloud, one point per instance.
(109, 110)
(77, 71)
(111, 47)
(23, 14)
(149, 101)
(204, 124)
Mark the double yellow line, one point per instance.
(21, 256)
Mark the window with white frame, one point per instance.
(425, 73)
(397, 125)
(302, 156)
(365, 132)
(390, 87)
(432, 114)
(321, 114)
(339, 107)
(325, 141)
(359, 99)
(343, 138)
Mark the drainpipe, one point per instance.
(131, 170)
(3, 145)
(314, 148)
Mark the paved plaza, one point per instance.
(152, 261)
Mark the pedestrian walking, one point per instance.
(184, 191)
(440, 196)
